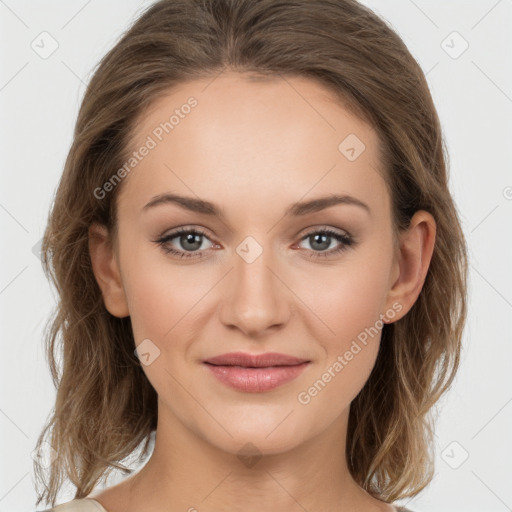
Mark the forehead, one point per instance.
(253, 142)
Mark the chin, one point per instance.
(257, 433)
(254, 445)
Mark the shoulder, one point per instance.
(81, 505)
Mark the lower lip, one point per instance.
(256, 380)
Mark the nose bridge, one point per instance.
(254, 299)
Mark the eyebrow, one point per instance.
(297, 209)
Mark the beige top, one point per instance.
(83, 505)
(91, 505)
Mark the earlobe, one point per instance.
(415, 254)
(106, 271)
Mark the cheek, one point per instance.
(163, 304)
(350, 345)
(160, 293)
(349, 303)
(343, 302)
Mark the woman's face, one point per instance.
(260, 275)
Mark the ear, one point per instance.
(412, 261)
(106, 270)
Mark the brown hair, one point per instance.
(105, 406)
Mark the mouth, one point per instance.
(255, 373)
(269, 359)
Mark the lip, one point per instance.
(255, 360)
(255, 373)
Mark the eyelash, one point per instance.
(346, 242)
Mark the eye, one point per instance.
(190, 240)
(321, 240)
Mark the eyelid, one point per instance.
(323, 227)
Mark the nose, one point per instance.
(255, 298)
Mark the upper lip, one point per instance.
(255, 360)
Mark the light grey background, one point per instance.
(39, 99)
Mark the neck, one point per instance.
(186, 472)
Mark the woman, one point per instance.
(259, 263)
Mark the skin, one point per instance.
(254, 147)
